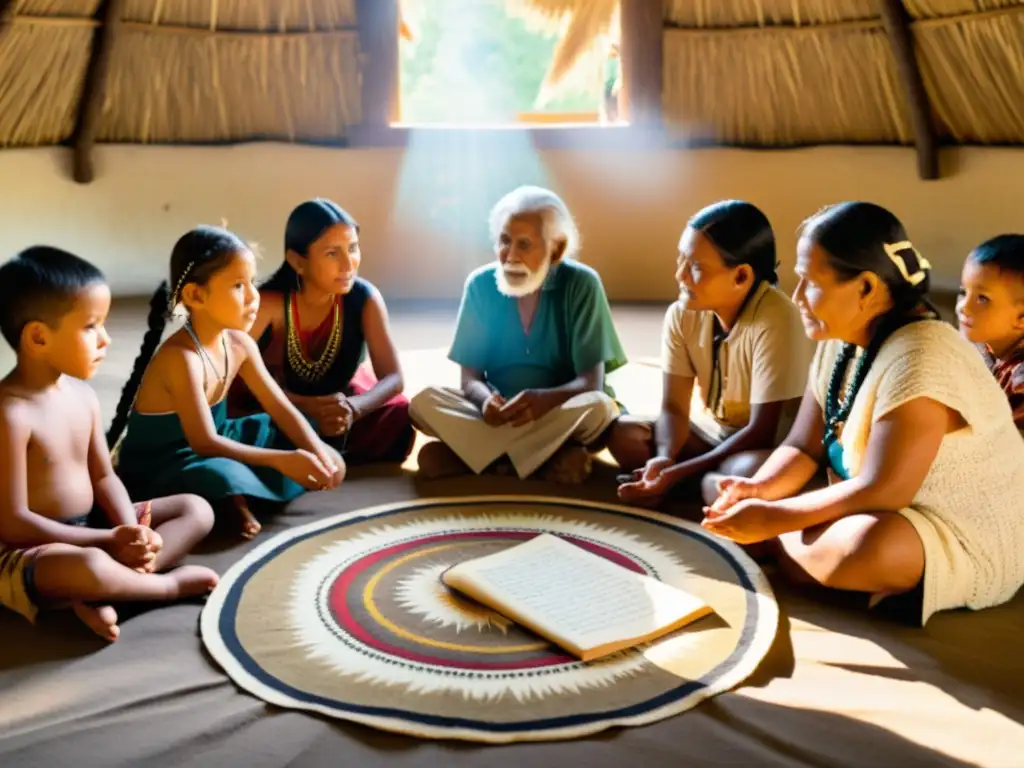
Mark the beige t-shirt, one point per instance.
(763, 359)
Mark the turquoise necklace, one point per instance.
(837, 410)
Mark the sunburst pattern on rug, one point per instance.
(364, 629)
(318, 634)
(423, 594)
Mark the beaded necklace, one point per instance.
(838, 411)
(303, 367)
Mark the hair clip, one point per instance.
(892, 250)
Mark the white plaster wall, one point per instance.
(423, 209)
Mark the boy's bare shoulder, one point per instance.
(16, 405)
(79, 391)
(17, 399)
(18, 402)
(77, 388)
(25, 411)
(15, 420)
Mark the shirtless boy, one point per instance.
(69, 534)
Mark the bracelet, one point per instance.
(356, 412)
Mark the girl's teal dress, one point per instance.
(155, 458)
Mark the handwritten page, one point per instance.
(577, 594)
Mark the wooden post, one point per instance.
(94, 90)
(378, 42)
(901, 40)
(6, 15)
(642, 51)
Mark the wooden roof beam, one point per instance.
(90, 104)
(901, 40)
(378, 22)
(642, 51)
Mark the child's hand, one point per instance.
(306, 469)
(154, 544)
(651, 484)
(332, 462)
(130, 546)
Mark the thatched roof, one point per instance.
(183, 70)
(741, 72)
(822, 71)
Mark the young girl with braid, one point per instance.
(926, 465)
(316, 324)
(174, 405)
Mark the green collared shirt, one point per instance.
(572, 331)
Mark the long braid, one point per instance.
(156, 323)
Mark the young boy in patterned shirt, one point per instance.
(990, 311)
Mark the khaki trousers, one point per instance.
(445, 414)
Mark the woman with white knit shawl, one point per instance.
(925, 465)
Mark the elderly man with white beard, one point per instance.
(534, 339)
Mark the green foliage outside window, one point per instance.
(473, 63)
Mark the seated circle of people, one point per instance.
(734, 362)
(914, 427)
(534, 340)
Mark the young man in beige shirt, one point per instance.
(734, 361)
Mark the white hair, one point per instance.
(558, 223)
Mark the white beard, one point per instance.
(520, 281)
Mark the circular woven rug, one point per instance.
(348, 617)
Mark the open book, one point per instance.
(577, 600)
